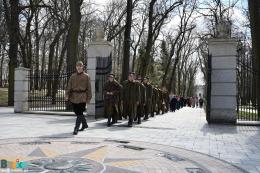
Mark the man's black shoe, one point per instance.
(83, 127)
(75, 132)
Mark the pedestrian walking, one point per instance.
(78, 92)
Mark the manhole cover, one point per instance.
(35, 143)
(132, 147)
(117, 141)
(82, 142)
(171, 157)
(195, 170)
(63, 165)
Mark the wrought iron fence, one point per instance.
(247, 76)
(47, 91)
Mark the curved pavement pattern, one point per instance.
(102, 155)
(180, 141)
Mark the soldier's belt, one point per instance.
(78, 91)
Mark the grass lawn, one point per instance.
(248, 115)
(3, 96)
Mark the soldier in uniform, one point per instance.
(130, 97)
(154, 100)
(166, 98)
(111, 94)
(142, 101)
(149, 95)
(159, 100)
(78, 92)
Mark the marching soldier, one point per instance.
(154, 100)
(130, 97)
(78, 92)
(142, 101)
(159, 100)
(111, 93)
(166, 98)
(149, 95)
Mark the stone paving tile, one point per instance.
(186, 128)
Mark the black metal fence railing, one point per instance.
(247, 75)
(47, 91)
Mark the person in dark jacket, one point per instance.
(149, 95)
(130, 98)
(142, 101)
(173, 103)
(111, 98)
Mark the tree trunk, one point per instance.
(13, 29)
(254, 11)
(51, 56)
(37, 52)
(179, 79)
(73, 33)
(127, 41)
(149, 44)
(1, 65)
(43, 65)
(119, 53)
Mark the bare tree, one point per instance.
(127, 41)
(158, 13)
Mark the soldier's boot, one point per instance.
(163, 111)
(130, 122)
(78, 121)
(139, 120)
(114, 120)
(152, 114)
(135, 119)
(84, 123)
(109, 121)
(146, 116)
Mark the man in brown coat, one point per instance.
(78, 92)
(111, 98)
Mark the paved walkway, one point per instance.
(186, 129)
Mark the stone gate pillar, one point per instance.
(99, 65)
(223, 100)
(21, 90)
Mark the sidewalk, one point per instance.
(186, 129)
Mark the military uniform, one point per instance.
(166, 100)
(142, 101)
(154, 100)
(79, 93)
(111, 98)
(130, 97)
(160, 103)
(148, 103)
